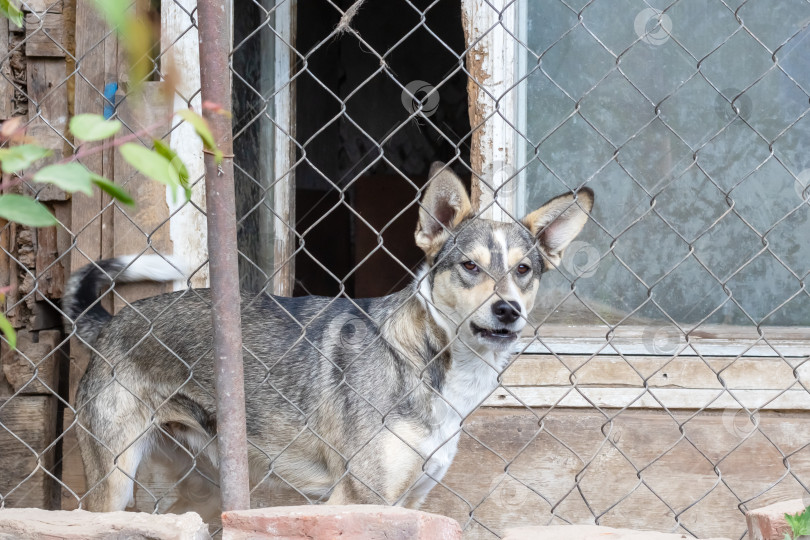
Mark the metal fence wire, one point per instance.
(661, 381)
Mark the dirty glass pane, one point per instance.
(693, 131)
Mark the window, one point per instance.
(694, 140)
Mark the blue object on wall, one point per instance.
(109, 99)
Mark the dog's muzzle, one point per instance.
(494, 334)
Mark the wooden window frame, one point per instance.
(188, 227)
(771, 381)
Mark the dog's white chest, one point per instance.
(468, 383)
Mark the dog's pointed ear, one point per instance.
(559, 221)
(444, 205)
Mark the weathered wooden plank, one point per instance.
(6, 88)
(147, 224)
(188, 225)
(659, 371)
(655, 338)
(108, 163)
(572, 450)
(29, 429)
(15, 307)
(489, 27)
(51, 273)
(5, 265)
(59, 271)
(48, 113)
(285, 150)
(796, 398)
(48, 121)
(85, 222)
(89, 87)
(73, 485)
(34, 367)
(44, 35)
(41, 6)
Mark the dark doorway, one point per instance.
(358, 183)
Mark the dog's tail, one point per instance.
(81, 299)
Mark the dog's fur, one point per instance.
(349, 401)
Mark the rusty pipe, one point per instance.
(214, 32)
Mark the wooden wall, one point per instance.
(35, 89)
(647, 457)
(646, 469)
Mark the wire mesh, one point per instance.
(661, 381)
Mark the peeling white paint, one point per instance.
(188, 228)
(494, 53)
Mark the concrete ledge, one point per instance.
(33, 523)
(324, 522)
(589, 532)
(769, 523)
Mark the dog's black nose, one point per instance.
(506, 312)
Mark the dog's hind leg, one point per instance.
(115, 433)
(110, 476)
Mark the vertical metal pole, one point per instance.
(222, 258)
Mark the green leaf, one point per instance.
(182, 172)
(164, 150)
(25, 210)
(11, 12)
(799, 523)
(17, 158)
(71, 177)
(93, 127)
(113, 190)
(201, 127)
(8, 331)
(150, 163)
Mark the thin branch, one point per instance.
(83, 153)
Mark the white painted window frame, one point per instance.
(188, 227)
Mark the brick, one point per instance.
(769, 522)
(589, 532)
(33, 523)
(324, 522)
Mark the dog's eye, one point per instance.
(471, 266)
(523, 269)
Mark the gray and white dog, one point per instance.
(351, 401)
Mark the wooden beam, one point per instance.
(659, 371)
(489, 26)
(48, 113)
(89, 87)
(6, 88)
(41, 6)
(285, 150)
(793, 399)
(188, 228)
(145, 226)
(44, 35)
(668, 340)
(29, 430)
(85, 211)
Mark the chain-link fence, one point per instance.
(661, 381)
